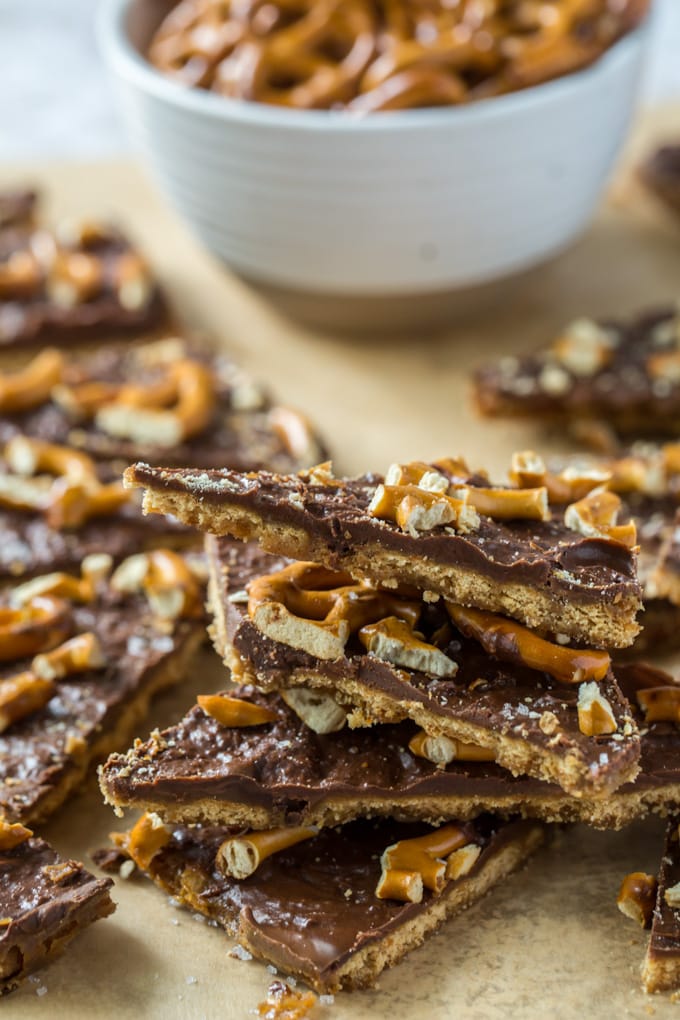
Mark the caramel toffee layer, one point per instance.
(312, 911)
(661, 173)
(499, 705)
(629, 390)
(241, 434)
(45, 754)
(32, 317)
(44, 901)
(330, 524)
(282, 773)
(661, 969)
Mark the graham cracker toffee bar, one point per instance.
(265, 760)
(541, 709)
(45, 900)
(438, 527)
(333, 908)
(81, 658)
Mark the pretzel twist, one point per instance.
(383, 54)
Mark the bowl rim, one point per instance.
(126, 61)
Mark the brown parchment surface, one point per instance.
(550, 943)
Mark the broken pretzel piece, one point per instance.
(12, 834)
(144, 840)
(637, 897)
(511, 642)
(316, 609)
(414, 864)
(34, 627)
(595, 516)
(188, 387)
(22, 695)
(241, 856)
(660, 704)
(441, 751)
(595, 715)
(79, 655)
(395, 641)
(167, 580)
(31, 386)
(234, 711)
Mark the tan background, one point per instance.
(551, 942)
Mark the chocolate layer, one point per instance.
(527, 717)
(624, 393)
(282, 773)
(45, 900)
(661, 969)
(45, 755)
(312, 910)
(242, 433)
(329, 523)
(30, 546)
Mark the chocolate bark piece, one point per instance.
(37, 534)
(312, 911)
(540, 572)
(46, 753)
(45, 900)
(283, 773)
(661, 173)
(71, 285)
(661, 968)
(529, 719)
(244, 431)
(620, 373)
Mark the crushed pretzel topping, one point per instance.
(235, 711)
(584, 348)
(660, 704)
(595, 516)
(13, 834)
(395, 641)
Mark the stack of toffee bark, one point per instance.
(424, 681)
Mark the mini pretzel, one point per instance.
(308, 606)
(27, 456)
(511, 642)
(79, 655)
(241, 856)
(94, 570)
(22, 695)
(383, 54)
(31, 386)
(165, 577)
(40, 625)
(138, 412)
(75, 495)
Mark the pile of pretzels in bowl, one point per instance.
(370, 55)
(367, 148)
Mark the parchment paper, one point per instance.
(550, 942)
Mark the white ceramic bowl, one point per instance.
(415, 201)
